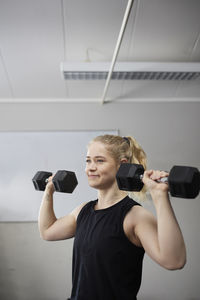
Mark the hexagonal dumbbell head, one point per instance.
(65, 181)
(129, 177)
(39, 180)
(184, 182)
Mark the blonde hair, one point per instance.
(125, 147)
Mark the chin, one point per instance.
(99, 186)
(92, 184)
(95, 185)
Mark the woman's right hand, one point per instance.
(50, 186)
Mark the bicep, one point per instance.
(146, 232)
(65, 227)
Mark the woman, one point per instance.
(113, 232)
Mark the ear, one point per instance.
(123, 160)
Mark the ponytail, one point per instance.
(138, 156)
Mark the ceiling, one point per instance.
(35, 36)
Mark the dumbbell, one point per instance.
(184, 182)
(63, 181)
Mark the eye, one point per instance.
(87, 161)
(100, 160)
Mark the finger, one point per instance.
(155, 174)
(147, 176)
(49, 179)
(158, 175)
(148, 173)
(164, 174)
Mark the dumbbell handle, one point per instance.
(161, 180)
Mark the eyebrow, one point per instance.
(98, 156)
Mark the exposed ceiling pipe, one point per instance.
(117, 47)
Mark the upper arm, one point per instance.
(147, 233)
(64, 227)
(141, 230)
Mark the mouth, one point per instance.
(93, 176)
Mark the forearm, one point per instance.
(170, 240)
(46, 214)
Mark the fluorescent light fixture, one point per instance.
(130, 70)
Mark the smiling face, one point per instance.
(101, 168)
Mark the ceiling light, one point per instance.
(130, 71)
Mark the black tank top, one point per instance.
(106, 265)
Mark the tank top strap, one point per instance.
(87, 207)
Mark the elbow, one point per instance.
(176, 265)
(44, 236)
(175, 261)
(181, 264)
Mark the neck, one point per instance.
(107, 198)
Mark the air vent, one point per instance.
(131, 71)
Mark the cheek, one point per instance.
(110, 173)
(86, 169)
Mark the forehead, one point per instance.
(97, 149)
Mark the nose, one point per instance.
(91, 166)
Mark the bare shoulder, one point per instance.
(64, 227)
(137, 214)
(77, 210)
(135, 218)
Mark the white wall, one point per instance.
(169, 133)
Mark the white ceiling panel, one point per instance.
(35, 36)
(165, 30)
(85, 89)
(5, 89)
(149, 89)
(195, 54)
(188, 88)
(93, 89)
(32, 46)
(92, 28)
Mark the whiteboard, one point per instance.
(25, 153)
